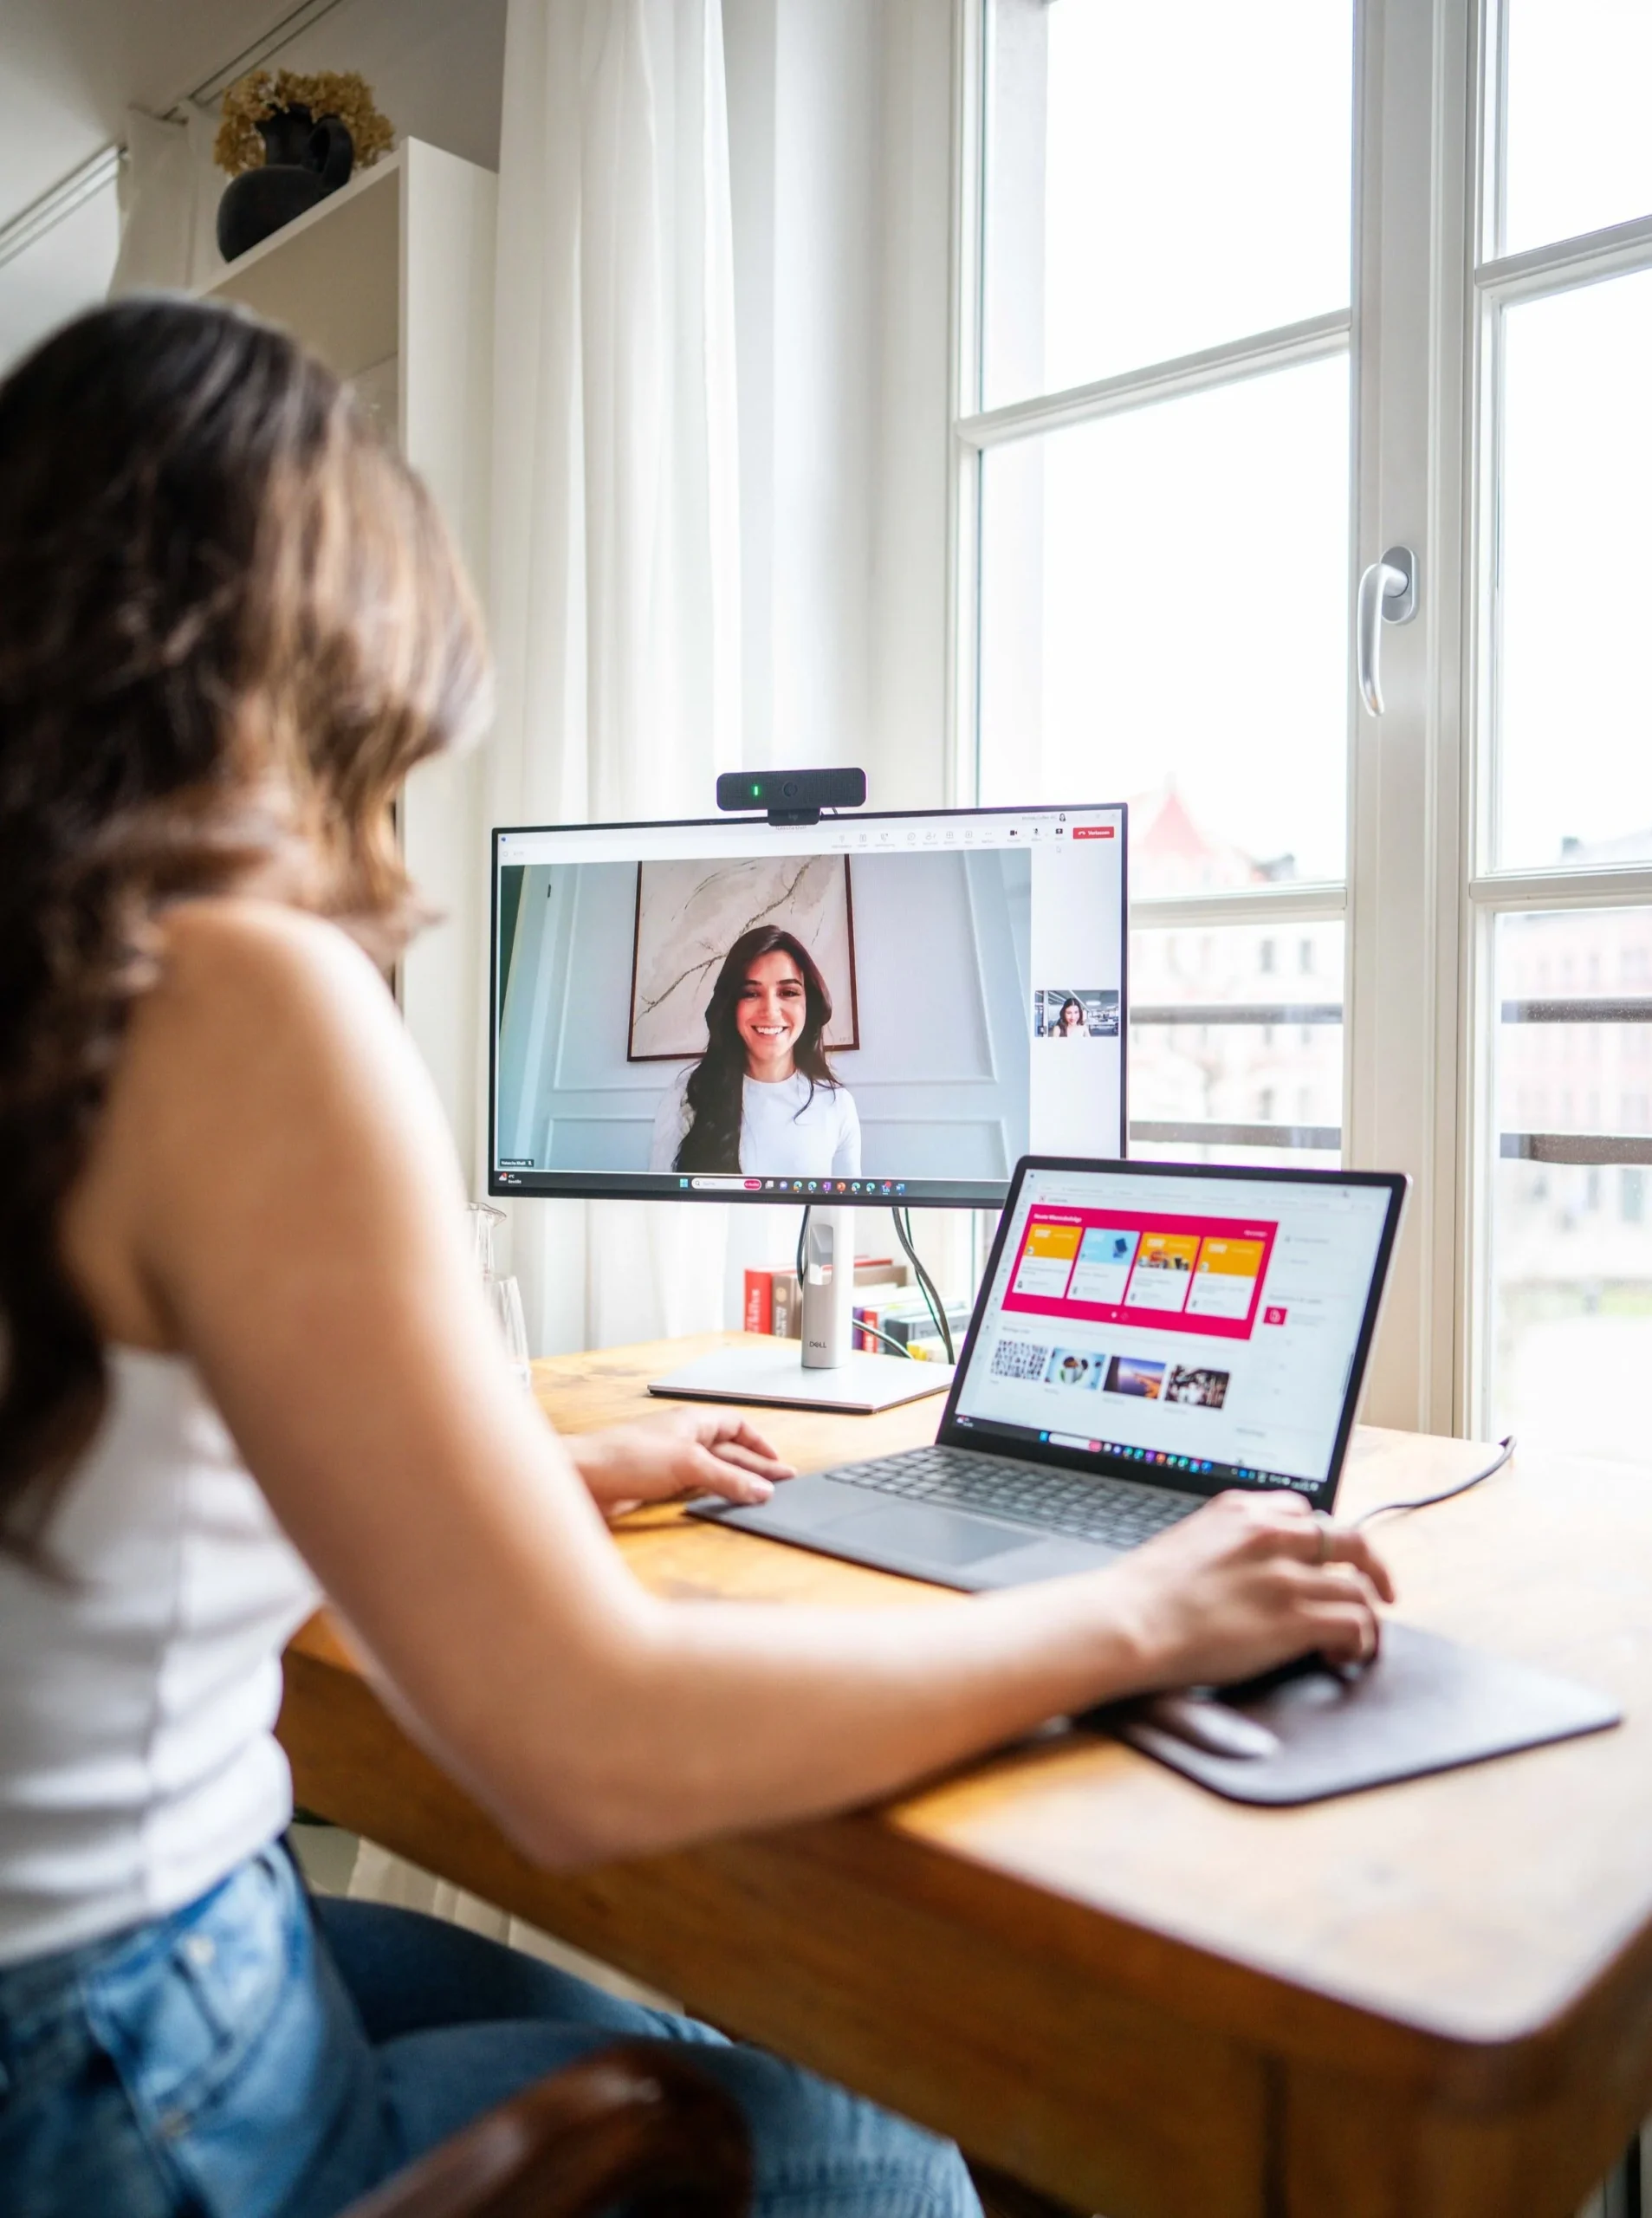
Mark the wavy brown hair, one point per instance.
(230, 623)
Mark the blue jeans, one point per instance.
(245, 2058)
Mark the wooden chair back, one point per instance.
(634, 2128)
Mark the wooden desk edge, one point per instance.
(1285, 2062)
(354, 1765)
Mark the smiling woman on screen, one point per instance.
(763, 1097)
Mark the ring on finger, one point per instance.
(1323, 1527)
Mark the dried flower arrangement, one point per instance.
(261, 94)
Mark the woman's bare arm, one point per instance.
(274, 1193)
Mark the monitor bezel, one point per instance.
(640, 1185)
(965, 1433)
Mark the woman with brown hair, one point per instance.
(246, 1360)
(762, 1096)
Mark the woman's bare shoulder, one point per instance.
(267, 1058)
(244, 984)
(254, 1003)
(232, 945)
(257, 1007)
(254, 1014)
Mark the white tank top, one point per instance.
(138, 1765)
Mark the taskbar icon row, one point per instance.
(1157, 1457)
(838, 1188)
(1244, 1475)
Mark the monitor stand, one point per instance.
(860, 1387)
(826, 1371)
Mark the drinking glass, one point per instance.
(504, 1295)
(483, 1220)
(505, 1300)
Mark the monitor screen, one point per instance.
(875, 1007)
(1198, 1326)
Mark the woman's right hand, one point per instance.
(1250, 1581)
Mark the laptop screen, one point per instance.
(1201, 1328)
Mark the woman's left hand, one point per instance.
(681, 1452)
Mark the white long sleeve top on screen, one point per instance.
(788, 1129)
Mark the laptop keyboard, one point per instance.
(1117, 1512)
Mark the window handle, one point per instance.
(1388, 594)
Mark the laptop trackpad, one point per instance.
(935, 1536)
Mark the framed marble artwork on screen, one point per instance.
(690, 913)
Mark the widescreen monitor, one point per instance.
(883, 1008)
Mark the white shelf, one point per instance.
(332, 275)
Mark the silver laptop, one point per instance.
(1147, 1334)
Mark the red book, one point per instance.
(759, 1302)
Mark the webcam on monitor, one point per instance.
(791, 796)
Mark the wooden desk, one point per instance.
(1434, 1999)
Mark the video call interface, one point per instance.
(884, 1008)
(1205, 1344)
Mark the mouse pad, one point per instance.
(1426, 1704)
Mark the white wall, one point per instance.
(62, 272)
(436, 67)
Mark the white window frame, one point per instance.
(1421, 899)
(977, 432)
(1411, 1057)
(1498, 281)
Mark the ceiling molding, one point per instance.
(281, 34)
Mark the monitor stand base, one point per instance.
(859, 1387)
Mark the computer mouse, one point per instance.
(1206, 1723)
(1310, 1671)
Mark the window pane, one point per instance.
(1573, 767)
(1235, 1043)
(1158, 180)
(1164, 615)
(1570, 1248)
(1579, 152)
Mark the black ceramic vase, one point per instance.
(304, 160)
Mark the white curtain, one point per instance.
(614, 586)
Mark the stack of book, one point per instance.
(888, 1308)
(907, 1321)
(773, 1303)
